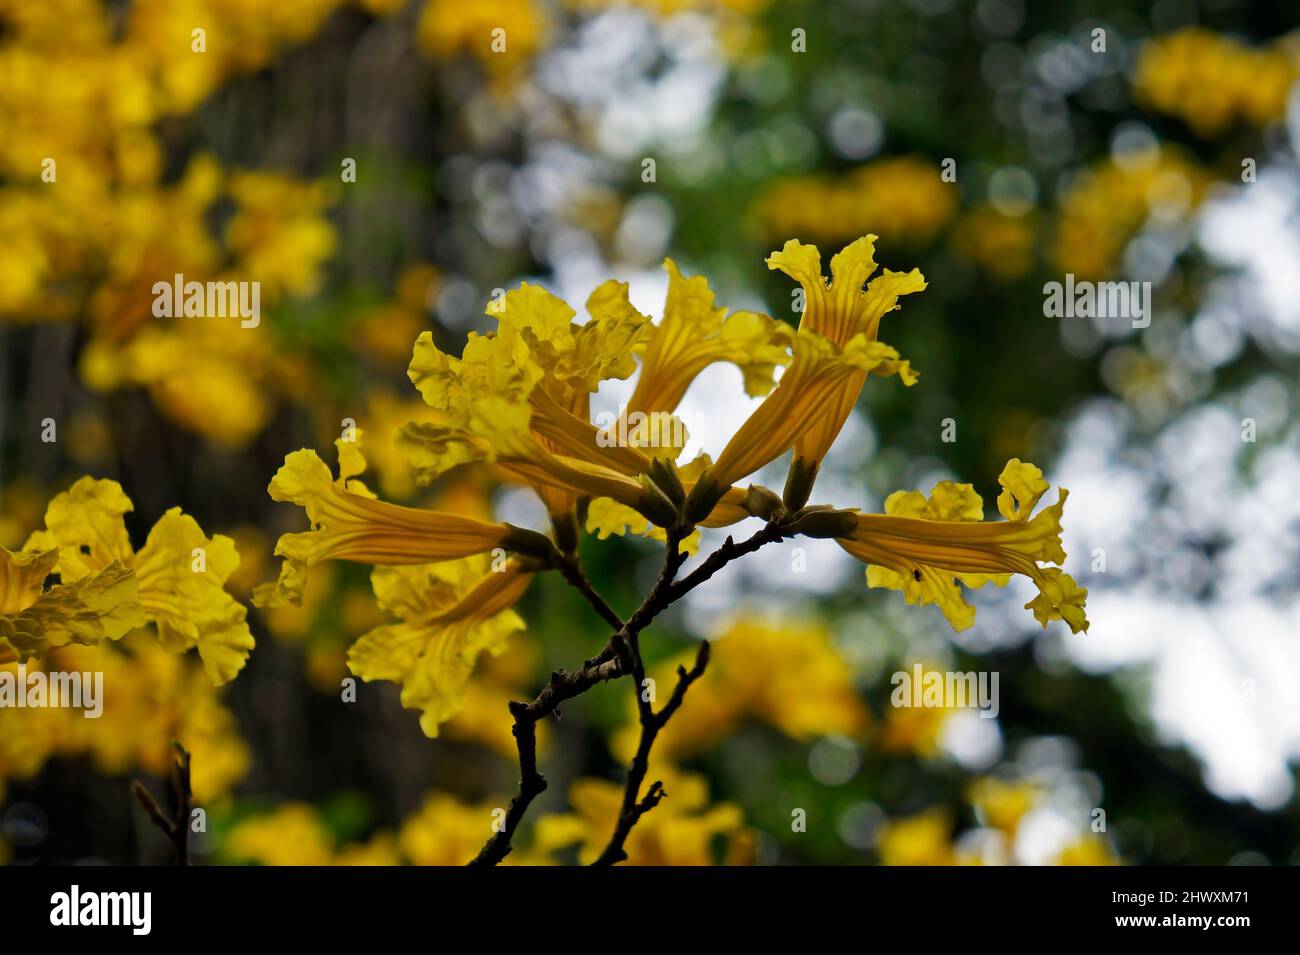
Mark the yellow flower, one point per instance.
(606, 517)
(446, 831)
(924, 839)
(446, 27)
(926, 547)
(693, 334)
(484, 717)
(519, 398)
(1002, 804)
(180, 572)
(279, 232)
(384, 415)
(449, 613)
(1003, 245)
(97, 606)
(1104, 206)
(157, 696)
(1088, 850)
(906, 192)
(836, 348)
(295, 834)
(1212, 81)
(348, 523)
(914, 729)
(680, 830)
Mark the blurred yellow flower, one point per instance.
(914, 730)
(446, 831)
(1002, 245)
(278, 233)
(1106, 205)
(681, 830)
(789, 675)
(386, 332)
(924, 839)
(294, 834)
(450, 26)
(906, 193)
(1212, 81)
(1001, 803)
(156, 697)
(1089, 851)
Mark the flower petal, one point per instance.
(182, 575)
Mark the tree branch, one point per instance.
(562, 686)
(620, 657)
(177, 830)
(571, 569)
(651, 723)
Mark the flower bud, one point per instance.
(825, 523)
(799, 483)
(762, 502)
(521, 540)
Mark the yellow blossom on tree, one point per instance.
(179, 574)
(927, 547)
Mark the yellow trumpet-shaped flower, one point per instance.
(812, 399)
(834, 351)
(842, 309)
(348, 523)
(178, 577)
(519, 397)
(926, 547)
(96, 607)
(694, 334)
(449, 613)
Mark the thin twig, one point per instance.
(177, 829)
(633, 808)
(562, 686)
(771, 532)
(620, 657)
(571, 569)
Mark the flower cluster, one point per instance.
(518, 398)
(176, 582)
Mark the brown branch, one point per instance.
(620, 657)
(177, 830)
(562, 686)
(571, 569)
(771, 532)
(651, 723)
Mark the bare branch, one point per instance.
(177, 829)
(621, 656)
(651, 723)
